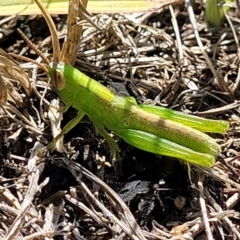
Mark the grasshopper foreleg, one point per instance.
(64, 109)
(71, 124)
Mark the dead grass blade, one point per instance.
(74, 31)
(221, 83)
(11, 70)
(3, 91)
(19, 221)
(52, 28)
(123, 219)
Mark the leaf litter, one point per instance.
(158, 59)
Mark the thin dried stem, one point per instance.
(76, 12)
(51, 25)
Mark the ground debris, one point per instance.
(81, 196)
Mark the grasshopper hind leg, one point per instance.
(152, 143)
(199, 123)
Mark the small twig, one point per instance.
(14, 230)
(204, 209)
(237, 83)
(220, 79)
(226, 221)
(9, 108)
(127, 222)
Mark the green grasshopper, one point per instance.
(154, 129)
(150, 128)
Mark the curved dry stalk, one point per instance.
(10, 69)
(125, 220)
(74, 32)
(76, 11)
(51, 25)
(12, 112)
(3, 91)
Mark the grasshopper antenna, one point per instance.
(33, 46)
(50, 23)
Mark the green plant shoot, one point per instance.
(150, 128)
(215, 11)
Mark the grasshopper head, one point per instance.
(56, 73)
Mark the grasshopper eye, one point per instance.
(58, 79)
